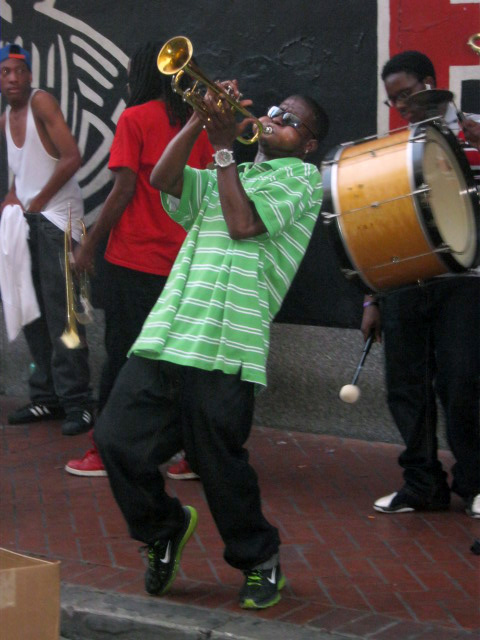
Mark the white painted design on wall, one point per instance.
(77, 50)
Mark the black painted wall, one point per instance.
(325, 48)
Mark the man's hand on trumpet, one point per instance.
(219, 118)
(84, 257)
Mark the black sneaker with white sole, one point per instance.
(36, 412)
(261, 588)
(77, 421)
(402, 502)
(164, 556)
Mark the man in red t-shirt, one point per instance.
(143, 241)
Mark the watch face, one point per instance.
(224, 157)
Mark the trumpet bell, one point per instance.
(174, 55)
(175, 59)
(71, 339)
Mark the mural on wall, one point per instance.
(333, 50)
(87, 73)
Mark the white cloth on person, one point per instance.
(20, 305)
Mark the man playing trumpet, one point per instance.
(201, 356)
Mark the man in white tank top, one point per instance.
(43, 157)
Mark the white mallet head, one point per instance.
(349, 393)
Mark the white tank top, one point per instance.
(32, 167)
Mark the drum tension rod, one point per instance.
(373, 152)
(376, 205)
(351, 273)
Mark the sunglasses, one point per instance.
(288, 119)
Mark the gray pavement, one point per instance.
(88, 614)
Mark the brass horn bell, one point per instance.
(82, 312)
(175, 59)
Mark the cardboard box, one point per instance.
(29, 598)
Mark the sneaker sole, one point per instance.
(33, 419)
(407, 509)
(79, 472)
(77, 431)
(251, 604)
(387, 510)
(472, 514)
(183, 476)
(192, 525)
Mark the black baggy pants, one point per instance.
(128, 298)
(432, 347)
(157, 408)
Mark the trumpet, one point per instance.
(175, 59)
(81, 310)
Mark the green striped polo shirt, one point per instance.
(221, 295)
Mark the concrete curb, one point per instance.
(89, 614)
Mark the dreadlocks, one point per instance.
(147, 83)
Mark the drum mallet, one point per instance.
(350, 392)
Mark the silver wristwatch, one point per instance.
(223, 158)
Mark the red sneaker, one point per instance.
(90, 465)
(181, 471)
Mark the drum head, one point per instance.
(449, 198)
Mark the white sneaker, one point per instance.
(393, 504)
(473, 506)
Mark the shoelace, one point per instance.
(154, 553)
(254, 578)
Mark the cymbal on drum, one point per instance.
(429, 98)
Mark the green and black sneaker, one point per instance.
(261, 588)
(164, 556)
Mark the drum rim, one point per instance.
(424, 211)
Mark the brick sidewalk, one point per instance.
(349, 569)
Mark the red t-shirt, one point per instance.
(146, 238)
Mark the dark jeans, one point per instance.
(61, 375)
(157, 408)
(128, 299)
(432, 346)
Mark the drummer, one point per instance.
(431, 335)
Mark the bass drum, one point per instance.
(402, 208)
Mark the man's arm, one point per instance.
(241, 216)
(371, 319)
(59, 142)
(167, 174)
(115, 204)
(471, 129)
(10, 197)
